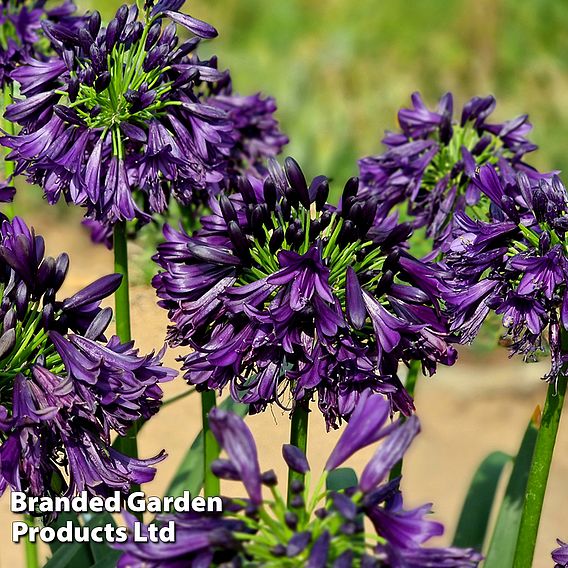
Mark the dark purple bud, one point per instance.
(269, 478)
(297, 181)
(94, 23)
(539, 204)
(392, 261)
(135, 133)
(544, 243)
(276, 240)
(111, 35)
(44, 274)
(69, 59)
(351, 188)
(85, 40)
(185, 48)
(222, 538)
(508, 206)
(346, 508)
(121, 16)
(291, 520)
(355, 307)
(7, 341)
(325, 219)
(73, 89)
(315, 229)
(279, 551)
(21, 299)
(134, 34)
(102, 82)
(320, 551)
(40, 360)
(98, 59)
(398, 235)
(321, 513)
(47, 316)
(298, 544)
(297, 486)
(348, 233)
(385, 283)
(87, 76)
(153, 35)
(99, 324)
(239, 242)
(9, 320)
(345, 560)
(285, 209)
(224, 469)
(185, 78)
(319, 191)
(69, 115)
(155, 57)
(246, 190)
(227, 209)
(295, 458)
(269, 189)
(297, 502)
(199, 28)
(291, 233)
(95, 111)
(101, 288)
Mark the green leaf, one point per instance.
(474, 518)
(61, 522)
(101, 550)
(340, 479)
(189, 476)
(504, 540)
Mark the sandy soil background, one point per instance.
(482, 404)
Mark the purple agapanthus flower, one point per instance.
(310, 531)
(560, 555)
(430, 163)
(282, 296)
(21, 30)
(120, 121)
(515, 265)
(65, 388)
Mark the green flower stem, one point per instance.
(410, 386)
(32, 557)
(298, 438)
(211, 451)
(538, 474)
(10, 129)
(128, 444)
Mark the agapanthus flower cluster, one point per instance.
(64, 387)
(117, 121)
(560, 555)
(430, 163)
(281, 296)
(317, 530)
(21, 31)
(515, 265)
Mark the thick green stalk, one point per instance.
(9, 128)
(538, 475)
(298, 438)
(128, 444)
(32, 557)
(410, 386)
(211, 484)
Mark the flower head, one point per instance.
(65, 387)
(280, 295)
(515, 265)
(119, 122)
(311, 531)
(430, 164)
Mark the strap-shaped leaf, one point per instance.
(474, 518)
(504, 540)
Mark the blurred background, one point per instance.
(339, 71)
